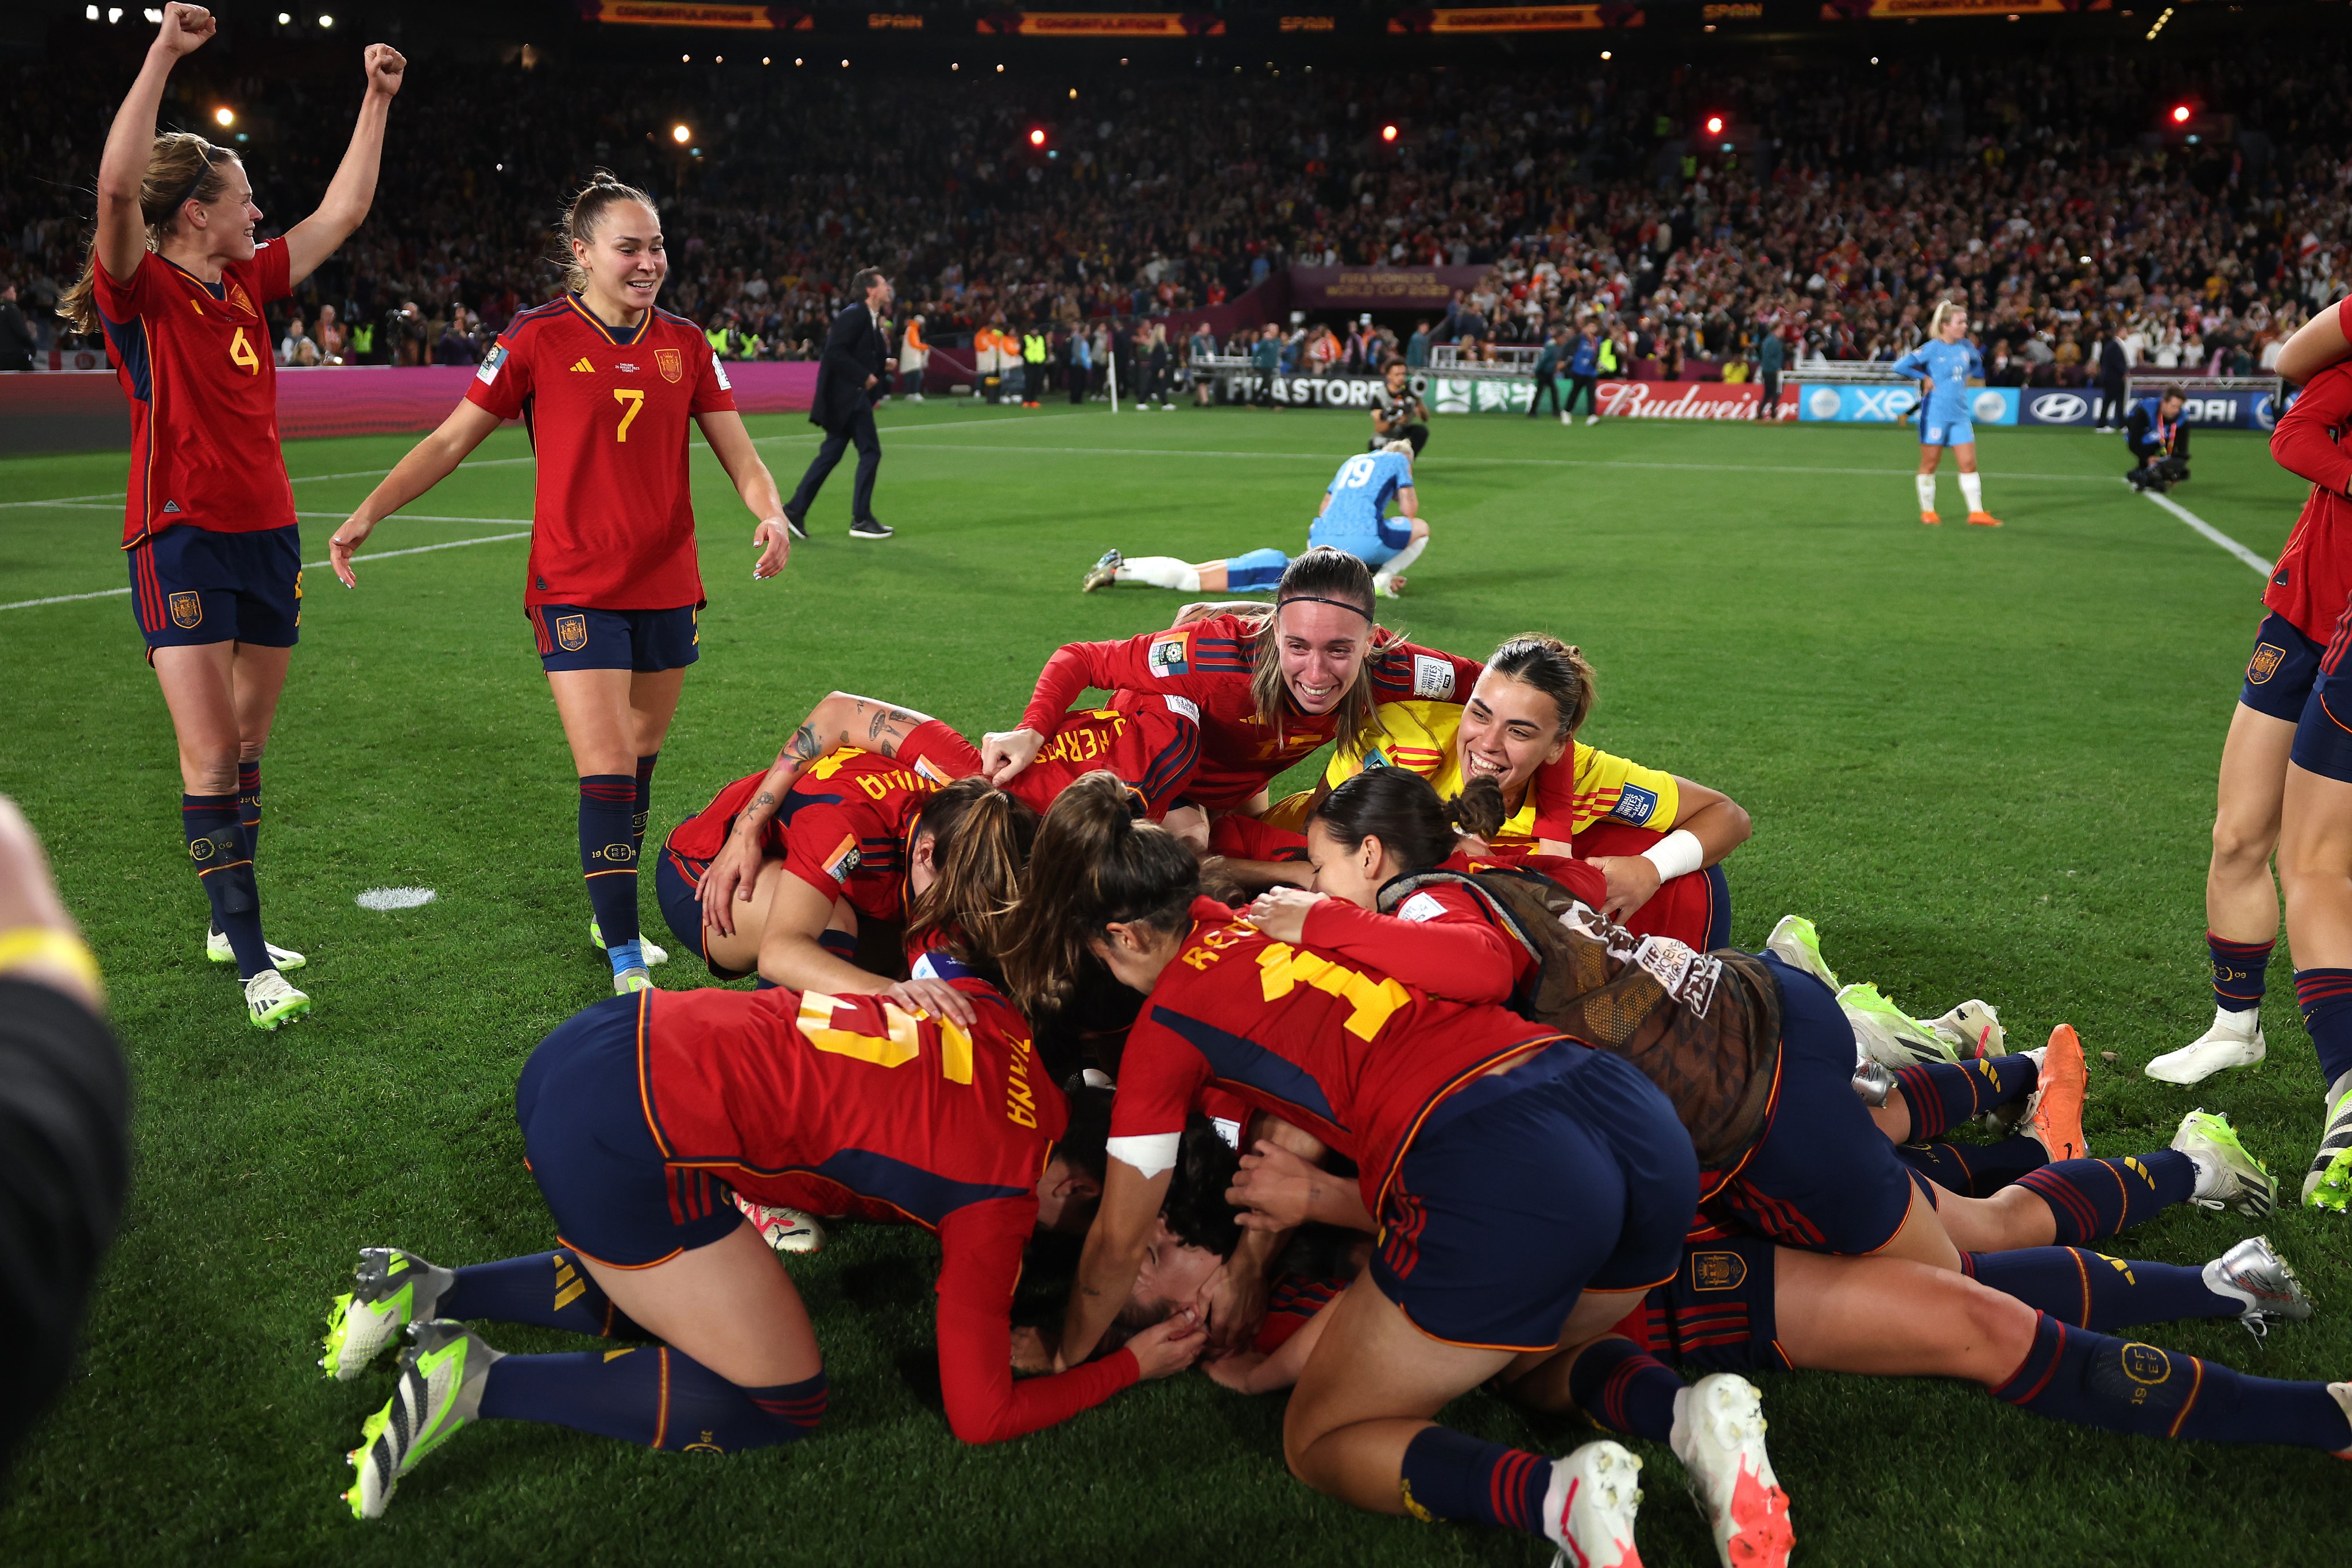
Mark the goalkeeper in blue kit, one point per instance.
(1944, 365)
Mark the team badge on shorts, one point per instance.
(187, 611)
(670, 363)
(2265, 664)
(1718, 1270)
(571, 633)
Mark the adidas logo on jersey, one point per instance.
(583, 364)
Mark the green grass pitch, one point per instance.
(1983, 761)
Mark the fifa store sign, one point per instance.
(1508, 394)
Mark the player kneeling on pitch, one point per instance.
(1352, 517)
(643, 1117)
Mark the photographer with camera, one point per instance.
(2158, 441)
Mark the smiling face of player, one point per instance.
(624, 260)
(219, 231)
(1509, 729)
(1321, 648)
(1355, 875)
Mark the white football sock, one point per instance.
(2212, 1177)
(2241, 1024)
(1926, 483)
(1972, 491)
(1160, 572)
(1404, 557)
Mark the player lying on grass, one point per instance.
(2035, 1327)
(785, 860)
(1353, 517)
(609, 385)
(1271, 684)
(177, 284)
(1943, 366)
(1651, 833)
(1450, 1112)
(1753, 1051)
(643, 1117)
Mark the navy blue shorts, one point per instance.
(1718, 1314)
(2280, 673)
(572, 637)
(191, 586)
(1522, 1190)
(1823, 1177)
(583, 1133)
(2323, 731)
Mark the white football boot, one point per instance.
(1589, 1505)
(2228, 1043)
(1719, 1437)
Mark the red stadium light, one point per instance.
(1388, 133)
(1715, 125)
(1036, 139)
(2180, 114)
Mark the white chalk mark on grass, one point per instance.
(395, 897)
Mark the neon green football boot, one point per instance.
(1795, 942)
(441, 1378)
(1886, 1033)
(389, 1290)
(2328, 1185)
(2227, 1175)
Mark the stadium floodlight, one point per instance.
(2180, 114)
(327, 22)
(1715, 125)
(284, 19)
(113, 14)
(154, 15)
(845, 65)
(680, 134)
(1036, 139)
(1388, 133)
(223, 117)
(89, 11)
(1074, 92)
(1607, 56)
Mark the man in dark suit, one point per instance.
(855, 360)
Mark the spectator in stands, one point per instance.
(401, 341)
(2159, 439)
(328, 331)
(2114, 364)
(296, 347)
(456, 345)
(17, 340)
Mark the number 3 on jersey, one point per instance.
(242, 355)
(635, 401)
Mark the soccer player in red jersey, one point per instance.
(1421, 1093)
(1270, 687)
(607, 382)
(642, 1117)
(1153, 743)
(178, 284)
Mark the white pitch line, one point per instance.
(307, 566)
(2209, 531)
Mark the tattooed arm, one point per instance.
(842, 719)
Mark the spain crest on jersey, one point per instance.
(187, 611)
(1718, 1270)
(571, 633)
(2265, 664)
(670, 362)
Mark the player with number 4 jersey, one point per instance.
(177, 284)
(606, 383)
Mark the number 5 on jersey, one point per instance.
(635, 401)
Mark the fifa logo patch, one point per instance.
(571, 633)
(187, 611)
(2265, 664)
(843, 859)
(670, 363)
(1166, 657)
(1718, 1270)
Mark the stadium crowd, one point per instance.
(1840, 200)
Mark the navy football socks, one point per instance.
(608, 857)
(1943, 1094)
(217, 847)
(1450, 1475)
(1625, 1388)
(650, 1395)
(644, 806)
(551, 1288)
(2089, 1378)
(2326, 997)
(2091, 1290)
(2238, 969)
(2091, 1199)
(1975, 1170)
(248, 807)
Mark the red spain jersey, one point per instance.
(2313, 580)
(1343, 1051)
(843, 830)
(1152, 743)
(777, 1094)
(1209, 662)
(613, 519)
(194, 358)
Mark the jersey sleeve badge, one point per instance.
(1634, 804)
(1433, 678)
(843, 859)
(1169, 655)
(1183, 706)
(488, 374)
(1420, 906)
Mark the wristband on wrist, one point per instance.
(1677, 854)
(42, 944)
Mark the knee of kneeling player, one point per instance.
(1991, 1333)
(1421, 527)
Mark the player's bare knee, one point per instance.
(2242, 846)
(1996, 1331)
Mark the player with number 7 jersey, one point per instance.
(606, 383)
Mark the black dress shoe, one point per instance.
(869, 528)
